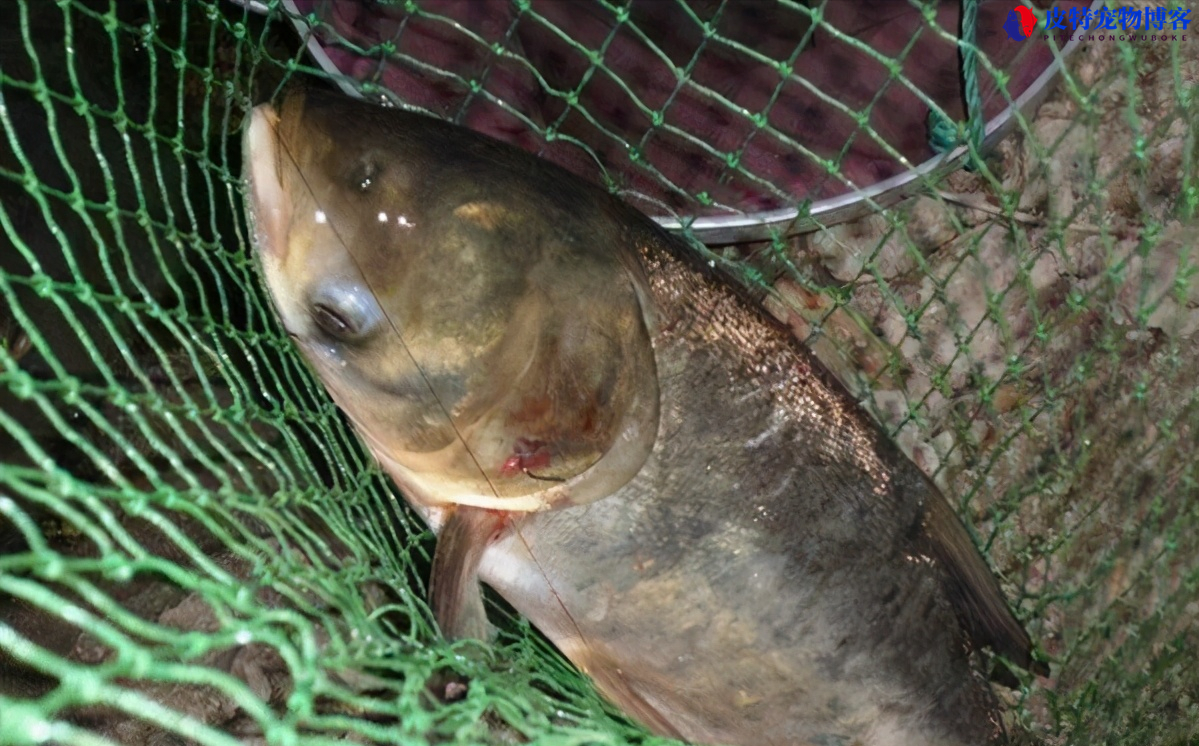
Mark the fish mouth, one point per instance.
(269, 204)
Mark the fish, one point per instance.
(611, 433)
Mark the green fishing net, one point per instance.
(195, 549)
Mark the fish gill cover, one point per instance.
(194, 548)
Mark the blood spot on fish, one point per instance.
(527, 455)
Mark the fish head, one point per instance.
(482, 324)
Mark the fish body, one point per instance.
(619, 441)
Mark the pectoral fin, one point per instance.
(454, 593)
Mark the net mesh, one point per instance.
(195, 549)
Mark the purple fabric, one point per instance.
(687, 148)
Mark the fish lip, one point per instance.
(269, 205)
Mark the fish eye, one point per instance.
(331, 321)
(346, 311)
